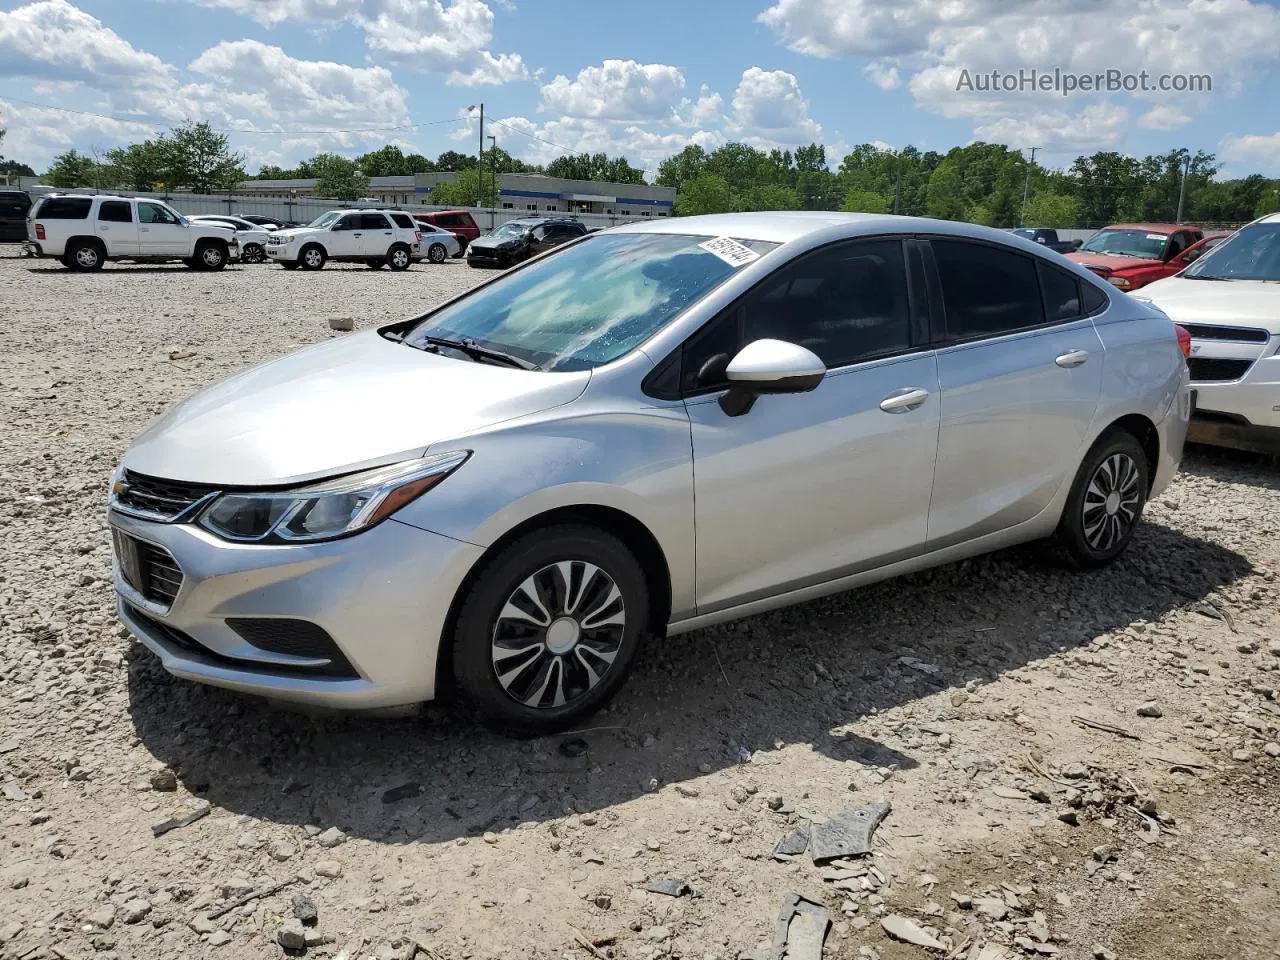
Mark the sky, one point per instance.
(288, 78)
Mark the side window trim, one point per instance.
(942, 337)
(735, 309)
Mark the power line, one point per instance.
(550, 143)
(155, 124)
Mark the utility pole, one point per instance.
(480, 156)
(1026, 186)
(1182, 192)
(493, 177)
(897, 187)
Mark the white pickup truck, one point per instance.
(86, 231)
(373, 237)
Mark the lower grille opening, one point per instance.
(1216, 368)
(198, 651)
(293, 638)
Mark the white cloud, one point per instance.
(883, 74)
(934, 40)
(447, 36)
(707, 110)
(769, 110)
(1259, 152)
(616, 90)
(35, 135)
(54, 41)
(1163, 117)
(1093, 128)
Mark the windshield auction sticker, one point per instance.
(730, 251)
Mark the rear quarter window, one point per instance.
(65, 208)
(404, 220)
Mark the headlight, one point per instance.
(324, 511)
(1120, 282)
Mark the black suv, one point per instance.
(518, 240)
(14, 205)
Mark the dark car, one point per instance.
(14, 205)
(1047, 237)
(518, 240)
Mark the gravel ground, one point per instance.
(1078, 765)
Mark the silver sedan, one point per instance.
(654, 428)
(437, 244)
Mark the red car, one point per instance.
(1131, 255)
(458, 222)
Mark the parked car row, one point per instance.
(1131, 255)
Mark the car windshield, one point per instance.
(591, 302)
(1251, 253)
(324, 219)
(510, 229)
(1127, 243)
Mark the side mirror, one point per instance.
(1190, 256)
(769, 366)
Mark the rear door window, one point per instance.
(373, 221)
(65, 208)
(988, 291)
(115, 211)
(404, 220)
(1061, 293)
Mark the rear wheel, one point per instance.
(312, 257)
(399, 257)
(85, 256)
(549, 629)
(436, 253)
(1105, 503)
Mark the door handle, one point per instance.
(901, 401)
(357, 234)
(144, 229)
(1072, 358)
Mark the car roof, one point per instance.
(784, 226)
(436, 213)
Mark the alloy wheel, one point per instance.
(87, 257)
(400, 259)
(1111, 502)
(211, 256)
(436, 253)
(312, 258)
(558, 634)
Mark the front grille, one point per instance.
(294, 638)
(162, 499)
(1237, 334)
(1216, 368)
(149, 569)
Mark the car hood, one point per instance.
(488, 242)
(1110, 262)
(292, 231)
(357, 402)
(1233, 302)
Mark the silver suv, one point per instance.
(374, 237)
(649, 429)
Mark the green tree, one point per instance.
(769, 196)
(270, 171)
(865, 201)
(389, 161)
(684, 166)
(451, 161)
(198, 157)
(1052, 210)
(140, 166)
(417, 163)
(471, 188)
(594, 166)
(72, 169)
(1269, 201)
(946, 192)
(338, 178)
(705, 193)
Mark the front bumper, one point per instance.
(383, 597)
(282, 251)
(487, 257)
(1253, 400)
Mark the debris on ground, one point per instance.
(670, 888)
(801, 929)
(201, 810)
(794, 843)
(848, 833)
(908, 931)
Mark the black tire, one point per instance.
(85, 256)
(312, 257)
(399, 257)
(253, 253)
(1105, 503)
(436, 253)
(549, 674)
(375, 264)
(210, 255)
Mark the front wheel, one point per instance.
(253, 253)
(399, 257)
(312, 258)
(436, 253)
(549, 629)
(1105, 502)
(210, 256)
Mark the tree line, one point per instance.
(981, 182)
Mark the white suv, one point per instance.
(373, 237)
(86, 231)
(1229, 301)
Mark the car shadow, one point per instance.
(700, 702)
(1226, 465)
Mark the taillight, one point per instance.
(39, 231)
(1184, 340)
